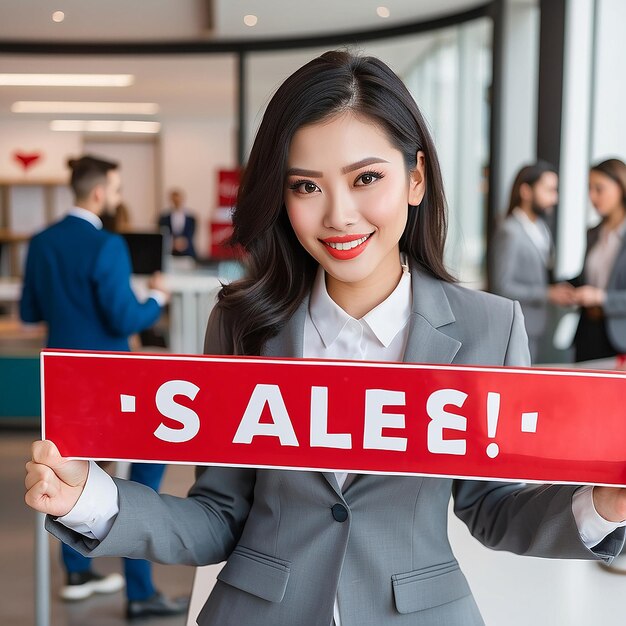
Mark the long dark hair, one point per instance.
(528, 175)
(616, 171)
(280, 272)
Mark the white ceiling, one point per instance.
(192, 85)
(115, 20)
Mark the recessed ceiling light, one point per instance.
(250, 20)
(58, 16)
(66, 80)
(121, 108)
(105, 126)
(383, 12)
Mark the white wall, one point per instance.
(35, 136)
(139, 171)
(519, 92)
(594, 124)
(609, 97)
(575, 136)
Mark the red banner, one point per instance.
(481, 422)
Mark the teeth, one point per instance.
(348, 245)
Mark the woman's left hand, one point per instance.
(589, 296)
(610, 503)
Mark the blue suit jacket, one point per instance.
(77, 280)
(188, 232)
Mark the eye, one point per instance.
(367, 178)
(304, 187)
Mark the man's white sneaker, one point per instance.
(81, 585)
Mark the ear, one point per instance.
(526, 192)
(417, 180)
(98, 193)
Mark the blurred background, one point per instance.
(175, 92)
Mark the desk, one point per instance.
(192, 298)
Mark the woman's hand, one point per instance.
(561, 294)
(53, 483)
(610, 503)
(589, 296)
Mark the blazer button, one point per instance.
(340, 513)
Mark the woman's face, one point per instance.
(347, 193)
(605, 194)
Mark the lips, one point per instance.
(347, 246)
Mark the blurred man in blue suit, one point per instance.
(77, 280)
(180, 225)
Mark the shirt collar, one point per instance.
(385, 321)
(86, 215)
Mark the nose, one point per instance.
(341, 211)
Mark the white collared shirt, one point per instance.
(86, 215)
(177, 221)
(380, 335)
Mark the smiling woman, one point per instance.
(342, 152)
(342, 212)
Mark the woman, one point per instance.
(601, 288)
(342, 212)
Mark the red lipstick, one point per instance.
(346, 247)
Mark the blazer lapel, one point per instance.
(289, 343)
(620, 262)
(430, 311)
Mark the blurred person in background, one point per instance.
(180, 225)
(77, 280)
(601, 287)
(117, 221)
(523, 250)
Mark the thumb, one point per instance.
(73, 473)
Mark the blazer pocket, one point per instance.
(257, 573)
(429, 587)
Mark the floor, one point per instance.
(510, 590)
(17, 531)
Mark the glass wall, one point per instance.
(448, 73)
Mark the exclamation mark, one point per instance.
(493, 412)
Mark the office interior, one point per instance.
(501, 83)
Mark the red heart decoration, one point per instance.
(27, 159)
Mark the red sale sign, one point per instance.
(398, 418)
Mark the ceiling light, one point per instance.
(383, 12)
(250, 20)
(105, 126)
(66, 80)
(58, 16)
(111, 108)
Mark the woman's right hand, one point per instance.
(53, 483)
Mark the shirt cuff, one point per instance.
(157, 295)
(96, 509)
(592, 527)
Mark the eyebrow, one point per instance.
(296, 171)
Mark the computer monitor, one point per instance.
(146, 252)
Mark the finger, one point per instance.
(36, 497)
(37, 473)
(46, 453)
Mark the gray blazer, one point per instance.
(519, 273)
(288, 548)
